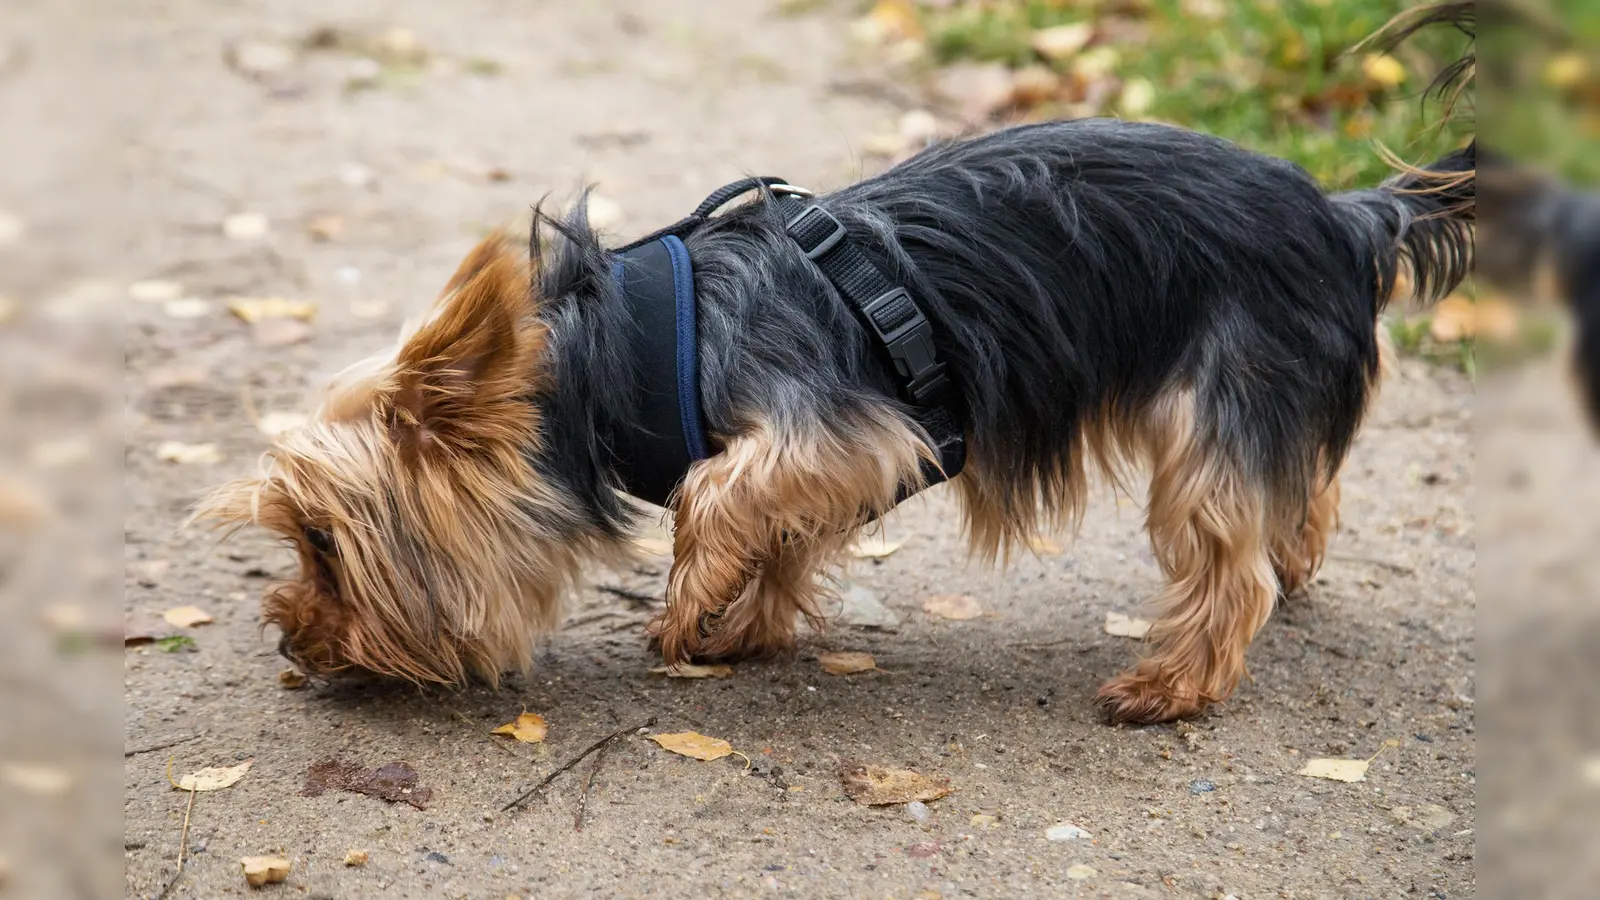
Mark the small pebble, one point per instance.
(918, 811)
(1066, 831)
(1201, 786)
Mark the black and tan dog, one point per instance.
(1101, 294)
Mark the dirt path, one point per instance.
(659, 104)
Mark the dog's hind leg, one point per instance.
(757, 523)
(1297, 553)
(1208, 526)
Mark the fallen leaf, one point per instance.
(214, 778)
(155, 290)
(1566, 70)
(978, 90)
(394, 782)
(957, 607)
(846, 662)
(188, 454)
(142, 628)
(186, 308)
(279, 332)
(1065, 831)
(257, 309)
(187, 616)
(1347, 770)
(690, 670)
(893, 20)
(36, 779)
(878, 786)
(273, 424)
(1123, 625)
(1096, 64)
(875, 546)
(355, 857)
(1061, 41)
(1033, 85)
(1079, 871)
(694, 745)
(1383, 69)
(247, 226)
(261, 870)
(1044, 545)
(291, 679)
(529, 728)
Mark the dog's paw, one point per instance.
(1145, 696)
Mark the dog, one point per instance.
(1102, 296)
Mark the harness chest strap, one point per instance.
(656, 278)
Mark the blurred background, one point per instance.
(192, 190)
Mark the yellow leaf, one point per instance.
(1062, 41)
(188, 454)
(187, 616)
(1044, 546)
(355, 857)
(953, 606)
(214, 778)
(690, 670)
(896, 19)
(291, 680)
(528, 728)
(260, 870)
(847, 662)
(1383, 69)
(1138, 95)
(1347, 770)
(875, 546)
(878, 786)
(1121, 625)
(1096, 63)
(694, 745)
(1566, 70)
(253, 310)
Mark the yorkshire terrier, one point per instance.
(1102, 295)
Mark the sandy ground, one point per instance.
(658, 103)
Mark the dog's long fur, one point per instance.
(1105, 294)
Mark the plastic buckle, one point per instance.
(827, 243)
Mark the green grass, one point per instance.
(1272, 76)
(178, 643)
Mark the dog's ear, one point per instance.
(459, 371)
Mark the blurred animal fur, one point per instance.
(1107, 295)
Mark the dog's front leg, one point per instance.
(758, 522)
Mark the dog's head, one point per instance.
(410, 498)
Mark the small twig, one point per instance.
(577, 759)
(1380, 563)
(490, 734)
(183, 839)
(583, 795)
(639, 597)
(162, 746)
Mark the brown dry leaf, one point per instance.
(36, 778)
(1123, 625)
(875, 546)
(355, 857)
(690, 670)
(529, 728)
(188, 454)
(143, 628)
(846, 662)
(187, 616)
(694, 745)
(1346, 770)
(291, 679)
(878, 786)
(957, 607)
(260, 870)
(1062, 41)
(214, 778)
(257, 309)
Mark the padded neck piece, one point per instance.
(657, 284)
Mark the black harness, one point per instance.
(656, 277)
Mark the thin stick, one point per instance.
(1380, 563)
(183, 839)
(624, 593)
(154, 747)
(577, 759)
(583, 795)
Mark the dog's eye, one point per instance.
(321, 540)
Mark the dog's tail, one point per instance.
(1417, 226)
